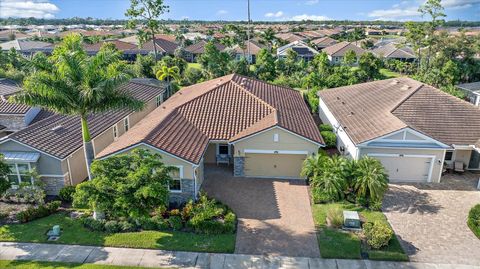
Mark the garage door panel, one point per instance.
(406, 168)
(273, 165)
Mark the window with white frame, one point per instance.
(158, 100)
(19, 172)
(115, 132)
(126, 123)
(176, 180)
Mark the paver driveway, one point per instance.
(274, 216)
(430, 219)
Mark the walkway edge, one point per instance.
(162, 258)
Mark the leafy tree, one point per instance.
(192, 76)
(213, 61)
(265, 66)
(143, 66)
(370, 65)
(79, 85)
(4, 170)
(146, 12)
(268, 37)
(370, 179)
(239, 66)
(128, 185)
(350, 58)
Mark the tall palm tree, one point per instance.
(79, 85)
(168, 73)
(371, 180)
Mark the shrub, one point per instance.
(175, 222)
(93, 224)
(32, 213)
(230, 222)
(187, 211)
(160, 223)
(330, 138)
(66, 193)
(321, 197)
(127, 226)
(473, 220)
(175, 212)
(325, 127)
(378, 234)
(148, 224)
(25, 194)
(361, 201)
(335, 217)
(376, 205)
(113, 226)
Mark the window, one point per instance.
(158, 100)
(126, 123)
(223, 149)
(275, 138)
(449, 155)
(19, 173)
(115, 132)
(176, 182)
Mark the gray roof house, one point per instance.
(337, 52)
(393, 51)
(302, 49)
(472, 91)
(414, 129)
(53, 144)
(26, 47)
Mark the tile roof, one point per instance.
(8, 88)
(227, 108)
(341, 48)
(163, 45)
(199, 47)
(392, 51)
(255, 47)
(324, 41)
(374, 109)
(473, 86)
(120, 45)
(24, 45)
(61, 135)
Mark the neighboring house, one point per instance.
(323, 42)
(129, 50)
(290, 37)
(337, 52)
(134, 38)
(197, 49)
(262, 129)
(255, 48)
(164, 47)
(303, 50)
(13, 117)
(7, 35)
(25, 47)
(472, 92)
(412, 128)
(392, 52)
(54, 146)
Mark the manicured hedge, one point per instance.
(473, 220)
(32, 213)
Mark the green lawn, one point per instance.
(194, 65)
(335, 243)
(58, 265)
(389, 74)
(74, 233)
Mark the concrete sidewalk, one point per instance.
(161, 258)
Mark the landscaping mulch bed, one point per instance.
(8, 211)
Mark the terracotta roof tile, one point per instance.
(226, 108)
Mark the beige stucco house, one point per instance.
(414, 129)
(54, 147)
(255, 128)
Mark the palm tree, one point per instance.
(268, 36)
(79, 85)
(371, 180)
(168, 73)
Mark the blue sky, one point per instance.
(271, 10)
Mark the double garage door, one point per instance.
(273, 165)
(408, 168)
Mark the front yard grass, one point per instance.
(335, 243)
(58, 265)
(73, 232)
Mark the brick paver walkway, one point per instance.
(430, 219)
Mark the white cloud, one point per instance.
(277, 14)
(458, 4)
(25, 9)
(222, 12)
(394, 13)
(312, 2)
(306, 17)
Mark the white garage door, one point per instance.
(409, 168)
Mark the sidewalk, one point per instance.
(161, 258)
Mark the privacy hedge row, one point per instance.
(473, 220)
(32, 213)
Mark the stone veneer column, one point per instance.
(239, 166)
(188, 192)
